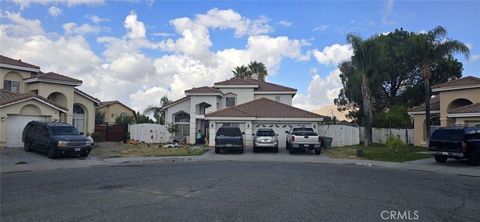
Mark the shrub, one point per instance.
(394, 142)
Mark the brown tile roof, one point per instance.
(109, 103)
(472, 108)
(464, 81)
(88, 96)
(434, 105)
(263, 108)
(177, 101)
(262, 85)
(7, 97)
(203, 89)
(55, 77)
(16, 62)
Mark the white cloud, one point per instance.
(20, 26)
(25, 3)
(95, 19)
(54, 11)
(163, 34)
(320, 91)
(474, 57)
(135, 27)
(320, 28)
(334, 54)
(285, 23)
(72, 28)
(387, 12)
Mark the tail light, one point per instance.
(293, 138)
(464, 146)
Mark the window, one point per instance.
(230, 101)
(12, 86)
(112, 115)
(277, 98)
(182, 121)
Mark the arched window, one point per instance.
(182, 117)
(78, 117)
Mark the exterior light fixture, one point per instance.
(3, 118)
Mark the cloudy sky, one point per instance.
(138, 51)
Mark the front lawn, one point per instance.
(118, 149)
(379, 152)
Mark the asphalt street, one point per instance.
(237, 191)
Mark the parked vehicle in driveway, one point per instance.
(265, 138)
(303, 138)
(55, 139)
(229, 138)
(456, 142)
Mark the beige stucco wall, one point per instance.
(89, 109)
(30, 107)
(285, 99)
(16, 75)
(45, 89)
(418, 125)
(113, 111)
(446, 97)
(243, 95)
(467, 120)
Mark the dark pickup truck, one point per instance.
(229, 138)
(456, 142)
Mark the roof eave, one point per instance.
(22, 68)
(33, 80)
(441, 89)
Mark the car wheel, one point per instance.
(51, 153)
(474, 160)
(217, 150)
(241, 151)
(440, 159)
(317, 152)
(84, 154)
(255, 149)
(288, 146)
(275, 149)
(291, 150)
(27, 146)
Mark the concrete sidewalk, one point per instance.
(17, 160)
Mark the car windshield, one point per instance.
(63, 130)
(265, 133)
(448, 134)
(229, 132)
(303, 132)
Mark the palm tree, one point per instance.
(157, 111)
(363, 59)
(258, 69)
(429, 47)
(241, 72)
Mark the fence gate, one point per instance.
(111, 132)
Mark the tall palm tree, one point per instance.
(430, 47)
(258, 69)
(241, 72)
(157, 111)
(363, 59)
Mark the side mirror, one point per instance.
(243, 133)
(253, 134)
(286, 131)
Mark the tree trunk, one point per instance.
(426, 77)
(367, 112)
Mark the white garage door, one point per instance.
(15, 125)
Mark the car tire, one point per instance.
(291, 150)
(84, 155)
(440, 159)
(287, 145)
(474, 160)
(27, 146)
(241, 151)
(317, 152)
(255, 149)
(51, 153)
(217, 150)
(275, 150)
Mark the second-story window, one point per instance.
(12, 86)
(277, 98)
(230, 101)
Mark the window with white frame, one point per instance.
(12, 86)
(230, 101)
(182, 121)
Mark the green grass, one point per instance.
(379, 152)
(113, 150)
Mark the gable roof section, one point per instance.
(8, 62)
(259, 85)
(84, 94)
(465, 82)
(264, 108)
(202, 90)
(8, 98)
(472, 108)
(109, 103)
(177, 102)
(434, 106)
(234, 81)
(54, 78)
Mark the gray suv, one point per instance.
(265, 138)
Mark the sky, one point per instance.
(138, 51)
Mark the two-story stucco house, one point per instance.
(114, 109)
(27, 94)
(455, 103)
(248, 103)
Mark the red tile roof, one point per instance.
(464, 81)
(262, 85)
(177, 101)
(203, 89)
(16, 62)
(264, 108)
(472, 108)
(55, 77)
(434, 105)
(7, 97)
(235, 81)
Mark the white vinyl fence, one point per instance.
(342, 135)
(380, 135)
(149, 133)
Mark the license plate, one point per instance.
(77, 149)
(444, 153)
(228, 145)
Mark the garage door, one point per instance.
(15, 125)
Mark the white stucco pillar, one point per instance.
(193, 126)
(248, 134)
(211, 130)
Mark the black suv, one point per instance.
(55, 139)
(229, 138)
(456, 142)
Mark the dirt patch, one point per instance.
(118, 149)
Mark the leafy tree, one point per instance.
(99, 117)
(157, 111)
(141, 118)
(254, 68)
(125, 119)
(429, 48)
